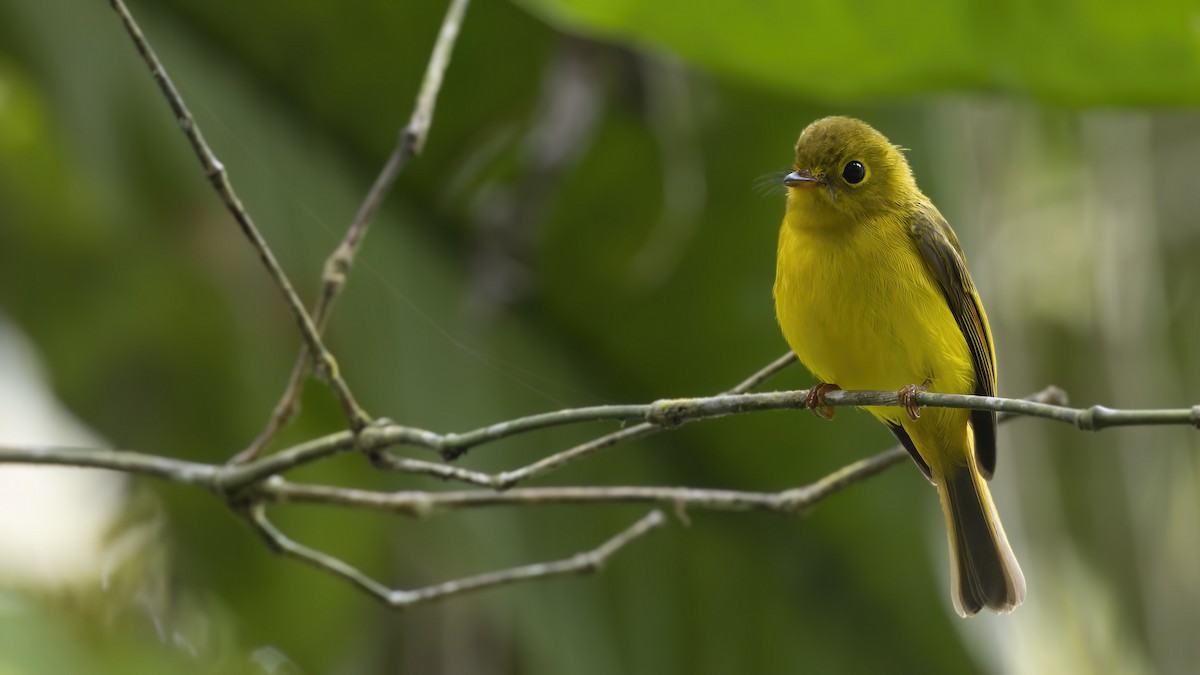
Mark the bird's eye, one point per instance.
(854, 172)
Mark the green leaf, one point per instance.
(1065, 51)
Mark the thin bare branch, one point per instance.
(282, 544)
(581, 563)
(558, 460)
(233, 477)
(421, 504)
(219, 178)
(765, 373)
(669, 413)
(174, 470)
(337, 267)
(385, 460)
(666, 413)
(283, 411)
(509, 478)
(453, 445)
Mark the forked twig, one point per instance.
(337, 266)
(219, 178)
(580, 563)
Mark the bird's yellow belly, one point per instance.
(865, 314)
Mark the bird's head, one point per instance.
(846, 172)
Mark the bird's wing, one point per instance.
(942, 255)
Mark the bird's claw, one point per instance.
(908, 398)
(815, 400)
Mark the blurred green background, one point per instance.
(584, 227)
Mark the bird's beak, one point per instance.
(800, 179)
(804, 178)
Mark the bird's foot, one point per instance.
(908, 398)
(815, 401)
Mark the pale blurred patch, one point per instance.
(55, 523)
(1074, 625)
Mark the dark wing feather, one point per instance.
(907, 442)
(942, 254)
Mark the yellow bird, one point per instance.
(872, 292)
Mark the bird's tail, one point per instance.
(984, 571)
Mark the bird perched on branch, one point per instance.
(872, 292)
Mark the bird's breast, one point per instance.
(860, 309)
